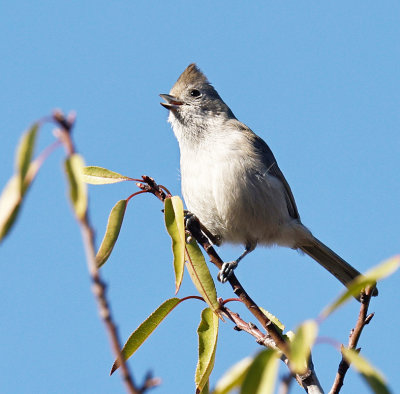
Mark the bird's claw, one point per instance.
(190, 219)
(188, 237)
(226, 271)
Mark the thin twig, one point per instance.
(309, 380)
(250, 328)
(238, 289)
(99, 290)
(362, 320)
(98, 287)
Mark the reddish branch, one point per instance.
(363, 319)
(308, 381)
(99, 287)
(250, 328)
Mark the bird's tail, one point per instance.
(339, 268)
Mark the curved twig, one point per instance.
(363, 319)
(99, 287)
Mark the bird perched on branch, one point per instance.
(231, 180)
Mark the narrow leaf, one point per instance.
(300, 347)
(145, 329)
(273, 318)
(10, 201)
(206, 388)
(12, 196)
(173, 215)
(24, 154)
(233, 377)
(372, 376)
(361, 282)
(200, 274)
(208, 334)
(112, 231)
(101, 176)
(261, 376)
(74, 165)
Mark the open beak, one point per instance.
(171, 102)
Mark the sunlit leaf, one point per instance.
(261, 376)
(361, 282)
(208, 334)
(145, 329)
(289, 335)
(74, 165)
(273, 318)
(15, 189)
(112, 231)
(206, 388)
(300, 347)
(173, 215)
(372, 376)
(200, 274)
(10, 201)
(233, 377)
(101, 176)
(24, 154)
(12, 196)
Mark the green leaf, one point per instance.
(24, 154)
(173, 215)
(208, 334)
(361, 282)
(261, 376)
(273, 318)
(112, 231)
(15, 189)
(300, 347)
(12, 196)
(145, 329)
(206, 388)
(74, 165)
(372, 376)
(101, 176)
(10, 201)
(200, 274)
(233, 377)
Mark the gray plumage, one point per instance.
(231, 180)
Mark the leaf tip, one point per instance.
(114, 368)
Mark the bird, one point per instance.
(231, 180)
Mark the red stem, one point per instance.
(231, 299)
(135, 194)
(192, 297)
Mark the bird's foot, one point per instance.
(190, 220)
(227, 270)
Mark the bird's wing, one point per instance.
(270, 163)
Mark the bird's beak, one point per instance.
(171, 102)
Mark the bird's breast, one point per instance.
(224, 187)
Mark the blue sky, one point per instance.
(319, 81)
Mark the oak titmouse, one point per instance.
(231, 180)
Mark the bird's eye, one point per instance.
(195, 93)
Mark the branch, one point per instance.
(250, 328)
(308, 381)
(98, 287)
(362, 320)
(274, 337)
